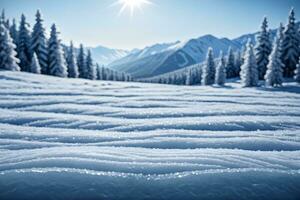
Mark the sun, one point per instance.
(132, 5)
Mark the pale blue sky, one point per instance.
(95, 22)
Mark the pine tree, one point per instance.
(220, 77)
(35, 65)
(103, 74)
(8, 60)
(297, 72)
(188, 80)
(39, 43)
(238, 62)
(280, 34)
(231, 70)
(249, 72)
(81, 62)
(263, 49)
(208, 74)
(91, 70)
(4, 20)
(71, 62)
(14, 32)
(290, 46)
(273, 76)
(57, 66)
(23, 46)
(99, 72)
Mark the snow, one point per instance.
(81, 139)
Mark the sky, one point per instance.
(98, 22)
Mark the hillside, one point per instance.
(115, 140)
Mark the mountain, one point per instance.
(105, 56)
(163, 58)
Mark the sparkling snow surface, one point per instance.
(79, 139)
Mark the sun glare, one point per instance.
(132, 5)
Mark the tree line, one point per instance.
(31, 51)
(268, 60)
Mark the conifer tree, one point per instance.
(249, 72)
(4, 20)
(220, 77)
(188, 80)
(297, 72)
(39, 43)
(231, 70)
(14, 32)
(290, 46)
(99, 72)
(263, 49)
(81, 62)
(35, 65)
(238, 62)
(8, 59)
(208, 74)
(57, 66)
(71, 62)
(91, 70)
(273, 76)
(23, 46)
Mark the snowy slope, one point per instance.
(142, 53)
(80, 139)
(105, 56)
(171, 57)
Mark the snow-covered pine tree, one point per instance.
(263, 49)
(4, 20)
(231, 70)
(39, 43)
(188, 80)
(116, 76)
(81, 62)
(35, 65)
(98, 72)
(208, 74)
(103, 73)
(57, 65)
(71, 62)
(90, 66)
(14, 32)
(249, 72)
(297, 72)
(243, 52)
(8, 59)
(23, 46)
(290, 46)
(238, 62)
(280, 34)
(273, 75)
(220, 77)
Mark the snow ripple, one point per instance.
(79, 139)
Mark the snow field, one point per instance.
(80, 139)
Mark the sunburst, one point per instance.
(131, 5)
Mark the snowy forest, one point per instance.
(29, 50)
(272, 60)
(269, 59)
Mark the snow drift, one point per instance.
(80, 139)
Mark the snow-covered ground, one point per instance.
(80, 139)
